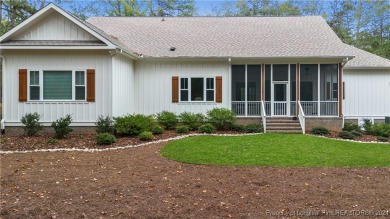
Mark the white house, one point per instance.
(260, 67)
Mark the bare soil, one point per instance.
(140, 183)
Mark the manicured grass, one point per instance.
(277, 150)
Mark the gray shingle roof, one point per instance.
(260, 37)
(365, 59)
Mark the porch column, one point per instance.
(262, 82)
(340, 90)
(297, 87)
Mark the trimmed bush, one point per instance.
(105, 138)
(145, 136)
(167, 119)
(382, 139)
(31, 125)
(356, 133)
(182, 129)
(349, 127)
(61, 126)
(367, 125)
(207, 128)
(221, 118)
(192, 120)
(381, 130)
(238, 128)
(157, 130)
(133, 125)
(254, 128)
(346, 135)
(104, 125)
(52, 141)
(320, 130)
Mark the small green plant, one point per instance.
(182, 129)
(192, 120)
(320, 130)
(254, 128)
(105, 138)
(349, 127)
(145, 136)
(52, 141)
(104, 125)
(346, 135)
(356, 133)
(157, 130)
(221, 118)
(61, 126)
(167, 119)
(207, 128)
(133, 125)
(381, 130)
(382, 139)
(31, 125)
(367, 125)
(238, 128)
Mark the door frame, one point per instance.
(287, 83)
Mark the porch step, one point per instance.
(283, 125)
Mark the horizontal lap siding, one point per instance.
(367, 92)
(82, 112)
(153, 84)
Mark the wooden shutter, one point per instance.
(218, 88)
(175, 89)
(22, 85)
(91, 85)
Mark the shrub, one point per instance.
(207, 128)
(254, 128)
(104, 125)
(221, 118)
(238, 128)
(320, 130)
(157, 130)
(61, 126)
(346, 135)
(52, 141)
(133, 125)
(167, 119)
(105, 138)
(145, 136)
(356, 133)
(182, 129)
(349, 127)
(381, 130)
(192, 120)
(31, 125)
(382, 139)
(367, 125)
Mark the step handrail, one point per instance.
(263, 118)
(301, 116)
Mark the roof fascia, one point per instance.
(56, 47)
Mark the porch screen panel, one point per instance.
(329, 89)
(280, 73)
(293, 90)
(267, 82)
(57, 85)
(309, 89)
(254, 83)
(238, 82)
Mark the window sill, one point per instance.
(197, 103)
(57, 101)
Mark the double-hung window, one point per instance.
(197, 89)
(57, 85)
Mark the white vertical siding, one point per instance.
(367, 92)
(122, 86)
(153, 84)
(55, 27)
(82, 112)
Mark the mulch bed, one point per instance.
(363, 138)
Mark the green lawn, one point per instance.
(292, 150)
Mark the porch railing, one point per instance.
(280, 108)
(239, 107)
(310, 108)
(267, 106)
(329, 108)
(263, 117)
(301, 116)
(326, 108)
(247, 108)
(293, 108)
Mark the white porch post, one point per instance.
(246, 89)
(318, 90)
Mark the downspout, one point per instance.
(229, 84)
(2, 125)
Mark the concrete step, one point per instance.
(281, 121)
(284, 128)
(285, 131)
(283, 124)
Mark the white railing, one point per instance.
(263, 117)
(329, 108)
(246, 108)
(301, 116)
(280, 108)
(310, 108)
(267, 105)
(293, 108)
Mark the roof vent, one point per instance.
(172, 49)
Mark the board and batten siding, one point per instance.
(55, 27)
(122, 86)
(367, 92)
(83, 112)
(153, 85)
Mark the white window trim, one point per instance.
(204, 90)
(41, 85)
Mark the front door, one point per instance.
(280, 100)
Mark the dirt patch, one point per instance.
(138, 182)
(363, 138)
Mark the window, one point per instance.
(57, 85)
(197, 89)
